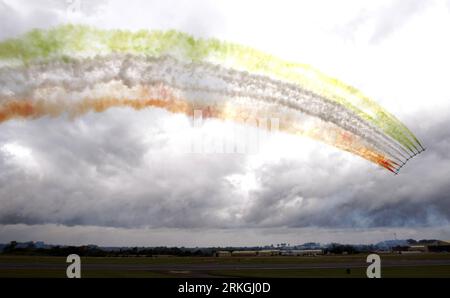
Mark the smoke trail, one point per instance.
(237, 112)
(70, 40)
(176, 72)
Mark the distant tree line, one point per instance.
(14, 248)
(94, 251)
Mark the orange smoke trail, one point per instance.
(14, 109)
(344, 141)
(39, 108)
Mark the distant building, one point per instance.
(410, 252)
(248, 253)
(424, 246)
(418, 248)
(302, 252)
(268, 253)
(439, 246)
(223, 253)
(244, 253)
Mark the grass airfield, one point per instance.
(328, 266)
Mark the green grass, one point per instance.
(388, 272)
(57, 265)
(437, 271)
(55, 273)
(293, 273)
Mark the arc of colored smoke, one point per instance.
(76, 69)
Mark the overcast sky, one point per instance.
(121, 177)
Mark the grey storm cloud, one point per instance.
(353, 197)
(92, 172)
(95, 171)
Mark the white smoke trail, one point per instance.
(58, 83)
